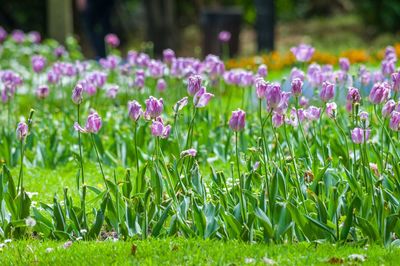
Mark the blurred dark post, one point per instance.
(59, 19)
(214, 21)
(161, 23)
(265, 24)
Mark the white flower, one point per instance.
(7, 241)
(357, 257)
(48, 250)
(83, 231)
(30, 222)
(249, 260)
(269, 261)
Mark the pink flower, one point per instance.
(353, 95)
(388, 108)
(238, 120)
(344, 64)
(38, 63)
(331, 109)
(296, 87)
(180, 104)
(273, 95)
(112, 92)
(190, 152)
(379, 93)
(42, 92)
(394, 123)
(202, 97)
(303, 52)
(22, 131)
(357, 135)
(159, 130)
(312, 113)
(262, 71)
(161, 85)
(194, 84)
(327, 91)
(277, 120)
(134, 110)
(168, 56)
(77, 94)
(224, 36)
(261, 87)
(154, 107)
(396, 81)
(93, 124)
(112, 40)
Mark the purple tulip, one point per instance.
(327, 92)
(394, 123)
(364, 118)
(22, 131)
(159, 130)
(303, 101)
(357, 135)
(180, 104)
(396, 81)
(312, 113)
(93, 124)
(168, 56)
(38, 63)
(344, 64)
(379, 93)
(353, 95)
(42, 92)
(112, 92)
(59, 51)
(303, 52)
(194, 84)
(35, 37)
(331, 109)
(262, 71)
(77, 94)
(161, 85)
(388, 108)
(296, 73)
(202, 97)
(3, 34)
(296, 87)
(388, 67)
(238, 120)
(273, 96)
(134, 110)
(277, 120)
(224, 36)
(284, 103)
(112, 40)
(154, 107)
(261, 87)
(18, 36)
(190, 152)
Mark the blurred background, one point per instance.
(191, 27)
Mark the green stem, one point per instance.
(136, 150)
(99, 160)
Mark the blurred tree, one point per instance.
(161, 24)
(383, 14)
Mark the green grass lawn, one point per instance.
(177, 251)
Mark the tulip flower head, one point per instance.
(112, 40)
(296, 87)
(303, 52)
(327, 92)
(360, 135)
(379, 93)
(77, 94)
(224, 36)
(154, 107)
(22, 131)
(93, 124)
(238, 120)
(194, 84)
(190, 152)
(388, 108)
(158, 129)
(42, 92)
(202, 97)
(134, 110)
